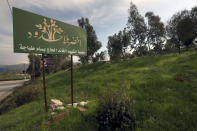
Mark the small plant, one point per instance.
(25, 94)
(115, 112)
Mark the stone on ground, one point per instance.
(56, 105)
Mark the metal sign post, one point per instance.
(44, 86)
(71, 79)
(34, 72)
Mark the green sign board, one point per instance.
(38, 34)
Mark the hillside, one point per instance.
(18, 68)
(164, 89)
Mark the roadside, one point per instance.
(11, 77)
(6, 87)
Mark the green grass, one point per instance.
(164, 89)
(5, 77)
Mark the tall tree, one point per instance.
(93, 45)
(193, 13)
(186, 30)
(182, 28)
(34, 66)
(125, 40)
(137, 28)
(57, 62)
(99, 56)
(117, 44)
(114, 46)
(171, 28)
(155, 32)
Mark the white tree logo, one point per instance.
(52, 33)
(49, 31)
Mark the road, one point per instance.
(7, 86)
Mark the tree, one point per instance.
(193, 13)
(155, 32)
(182, 28)
(34, 66)
(114, 47)
(186, 30)
(117, 44)
(171, 28)
(99, 56)
(169, 46)
(93, 45)
(102, 55)
(137, 29)
(57, 62)
(125, 40)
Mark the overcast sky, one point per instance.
(106, 16)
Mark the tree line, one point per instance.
(144, 35)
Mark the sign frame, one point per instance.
(44, 35)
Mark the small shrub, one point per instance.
(19, 97)
(27, 94)
(115, 112)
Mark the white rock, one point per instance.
(83, 103)
(53, 113)
(195, 41)
(52, 107)
(56, 102)
(60, 107)
(69, 104)
(75, 105)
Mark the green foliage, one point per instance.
(102, 55)
(115, 112)
(141, 51)
(5, 77)
(163, 88)
(99, 56)
(155, 32)
(181, 28)
(169, 47)
(193, 13)
(57, 63)
(114, 47)
(25, 94)
(137, 28)
(34, 65)
(93, 45)
(187, 30)
(117, 44)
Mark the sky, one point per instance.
(106, 16)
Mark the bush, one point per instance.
(27, 94)
(115, 112)
(20, 96)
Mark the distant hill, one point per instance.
(18, 68)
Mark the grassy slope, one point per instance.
(161, 102)
(5, 77)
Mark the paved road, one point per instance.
(7, 86)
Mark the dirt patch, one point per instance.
(58, 117)
(81, 109)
